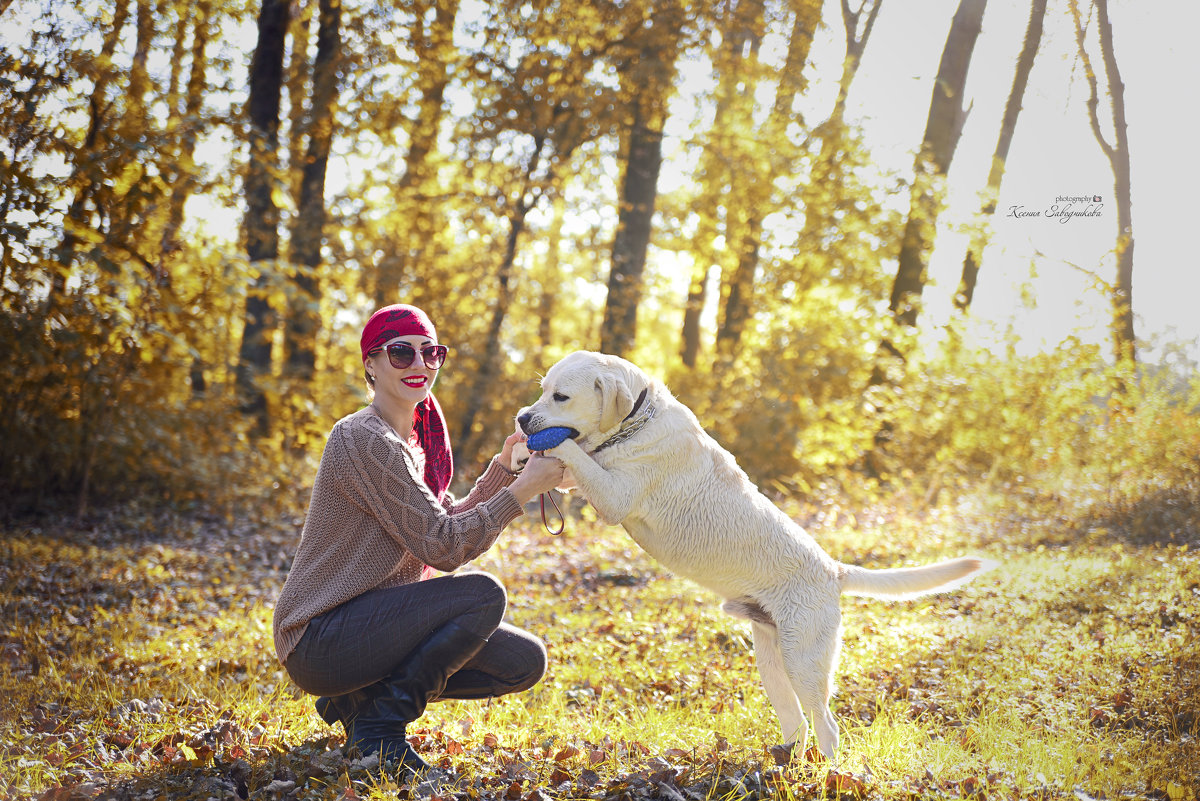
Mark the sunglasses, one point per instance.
(401, 355)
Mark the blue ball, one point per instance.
(547, 438)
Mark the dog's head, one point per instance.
(589, 393)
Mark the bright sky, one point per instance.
(1053, 153)
(1063, 266)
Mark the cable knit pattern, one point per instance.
(373, 522)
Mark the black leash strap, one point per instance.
(562, 521)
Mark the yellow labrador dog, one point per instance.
(642, 460)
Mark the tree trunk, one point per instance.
(303, 321)
(697, 297)
(827, 169)
(139, 74)
(638, 194)
(646, 82)
(942, 130)
(261, 222)
(739, 80)
(551, 279)
(1008, 125)
(186, 128)
(131, 213)
(740, 295)
(81, 180)
(297, 88)
(1117, 153)
(489, 366)
(856, 44)
(745, 23)
(172, 97)
(181, 188)
(433, 49)
(755, 192)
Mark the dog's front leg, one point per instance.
(612, 494)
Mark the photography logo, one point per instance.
(1064, 208)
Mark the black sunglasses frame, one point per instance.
(401, 355)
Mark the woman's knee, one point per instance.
(520, 661)
(535, 665)
(491, 599)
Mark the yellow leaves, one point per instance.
(566, 753)
(846, 784)
(125, 177)
(280, 197)
(1178, 792)
(968, 695)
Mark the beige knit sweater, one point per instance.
(372, 522)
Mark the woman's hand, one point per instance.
(541, 474)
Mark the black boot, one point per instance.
(471, 685)
(380, 726)
(345, 708)
(326, 709)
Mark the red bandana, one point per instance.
(402, 320)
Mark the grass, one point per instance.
(136, 663)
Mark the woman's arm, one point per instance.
(499, 474)
(382, 477)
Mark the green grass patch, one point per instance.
(136, 663)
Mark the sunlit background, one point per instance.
(808, 359)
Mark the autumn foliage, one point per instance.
(149, 351)
(135, 662)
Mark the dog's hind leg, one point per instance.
(777, 684)
(809, 657)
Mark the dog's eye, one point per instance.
(559, 397)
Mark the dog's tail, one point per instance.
(910, 582)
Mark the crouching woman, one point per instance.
(360, 621)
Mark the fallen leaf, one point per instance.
(845, 783)
(782, 754)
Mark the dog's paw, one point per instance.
(568, 482)
(520, 456)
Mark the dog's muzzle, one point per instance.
(527, 422)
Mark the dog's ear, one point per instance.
(616, 400)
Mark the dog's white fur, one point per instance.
(685, 501)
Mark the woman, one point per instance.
(359, 620)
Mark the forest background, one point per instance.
(203, 201)
(888, 257)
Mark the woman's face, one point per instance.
(410, 384)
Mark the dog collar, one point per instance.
(641, 414)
